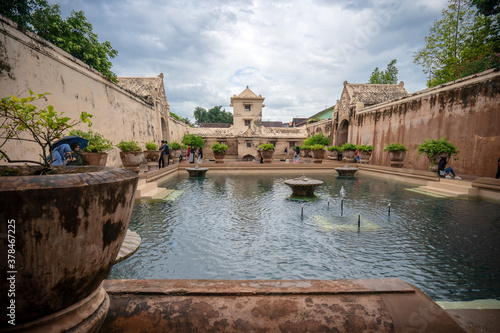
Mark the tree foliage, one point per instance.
(73, 34)
(389, 76)
(463, 42)
(184, 120)
(213, 115)
(193, 140)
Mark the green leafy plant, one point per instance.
(395, 147)
(364, 148)
(317, 147)
(192, 140)
(304, 147)
(266, 146)
(432, 148)
(334, 148)
(219, 147)
(348, 146)
(317, 139)
(96, 142)
(174, 145)
(127, 146)
(23, 121)
(151, 145)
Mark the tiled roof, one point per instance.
(247, 93)
(143, 87)
(375, 93)
(210, 132)
(272, 124)
(215, 125)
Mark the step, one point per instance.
(158, 193)
(450, 188)
(145, 188)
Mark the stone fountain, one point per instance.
(303, 186)
(346, 171)
(197, 171)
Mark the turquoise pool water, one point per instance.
(244, 227)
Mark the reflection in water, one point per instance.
(242, 227)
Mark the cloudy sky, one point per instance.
(295, 53)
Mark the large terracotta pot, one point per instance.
(131, 160)
(219, 157)
(397, 158)
(97, 159)
(267, 155)
(348, 156)
(318, 155)
(364, 156)
(64, 233)
(152, 155)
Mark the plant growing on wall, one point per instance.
(219, 147)
(266, 146)
(364, 148)
(432, 148)
(395, 147)
(334, 148)
(317, 139)
(348, 146)
(192, 140)
(96, 142)
(126, 146)
(23, 121)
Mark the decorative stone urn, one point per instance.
(267, 155)
(348, 156)
(333, 155)
(303, 186)
(63, 231)
(97, 159)
(346, 171)
(364, 156)
(197, 171)
(131, 160)
(152, 157)
(219, 157)
(318, 155)
(397, 158)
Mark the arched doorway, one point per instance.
(164, 129)
(248, 158)
(343, 133)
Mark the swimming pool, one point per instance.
(245, 227)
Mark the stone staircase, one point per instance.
(150, 190)
(448, 188)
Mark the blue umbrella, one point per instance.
(71, 139)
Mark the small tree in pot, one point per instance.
(318, 152)
(435, 149)
(334, 151)
(152, 155)
(397, 154)
(266, 150)
(219, 150)
(348, 150)
(130, 154)
(97, 146)
(365, 152)
(69, 224)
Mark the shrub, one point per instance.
(317, 139)
(395, 147)
(126, 146)
(151, 145)
(365, 148)
(266, 146)
(219, 147)
(317, 147)
(348, 146)
(304, 147)
(96, 144)
(334, 148)
(432, 148)
(192, 140)
(174, 145)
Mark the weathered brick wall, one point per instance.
(324, 126)
(467, 113)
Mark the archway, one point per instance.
(248, 158)
(164, 129)
(343, 133)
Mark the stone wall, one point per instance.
(176, 130)
(29, 62)
(466, 112)
(324, 126)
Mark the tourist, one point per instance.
(357, 156)
(191, 155)
(60, 153)
(180, 157)
(166, 149)
(498, 170)
(188, 154)
(161, 162)
(296, 155)
(445, 171)
(75, 157)
(286, 151)
(200, 155)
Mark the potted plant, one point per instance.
(334, 152)
(397, 154)
(348, 150)
(365, 152)
(175, 147)
(305, 150)
(95, 152)
(219, 150)
(130, 154)
(318, 153)
(152, 155)
(266, 150)
(69, 223)
(435, 149)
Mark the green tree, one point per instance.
(213, 115)
(184, 120)
(487, 7)
(463, 42)
(389, 76)
(73, 34)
